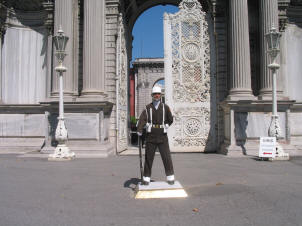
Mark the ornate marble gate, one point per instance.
(187, 76)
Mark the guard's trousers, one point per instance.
(165, 156)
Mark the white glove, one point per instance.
(166, 126)
(139, 134)
(148, 126)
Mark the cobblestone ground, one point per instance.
(84, 192)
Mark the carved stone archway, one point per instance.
(131, 11)
(134, 8)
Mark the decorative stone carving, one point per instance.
(49, 7)
(187, 76)
(122, 87)
(191, 68)
(296, 2)
(112, 8)
(192, 126)
(274, 128)
(61, 132)
(25, 5)
(283, 18)
(3, 15)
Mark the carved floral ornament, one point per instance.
(122, 89)
(122, 63)
(190, 5)
(190, 53)
(190, 75)
(296, 2)
(123, 129)
(191, 129)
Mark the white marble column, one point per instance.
(3, 13)
(240, 66)
(268, 18)
(1, 36)
(64, 16)
(93, 71)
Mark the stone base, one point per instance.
(60, 159)
(280, 158)
(20, 145)
(241, 96)
(158, 185)
(92, 98)
(85, 149)
(251, 148)
(268, 96)
(62, 152)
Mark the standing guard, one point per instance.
(157, 118)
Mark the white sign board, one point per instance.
(267, 147)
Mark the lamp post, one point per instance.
(273, 41)
(62, 152)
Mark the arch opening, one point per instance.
(147, 65)
(145, 68)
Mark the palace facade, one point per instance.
(216, 74)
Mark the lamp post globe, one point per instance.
(273, 42)
(60, 42)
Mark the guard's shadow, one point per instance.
(131, 183)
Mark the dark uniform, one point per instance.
(157, 137)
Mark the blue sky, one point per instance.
(148, 32)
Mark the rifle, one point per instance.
(140, 156)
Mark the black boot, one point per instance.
(171, 182)
(145, 182)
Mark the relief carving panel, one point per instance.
(187, 75)
(122, 75)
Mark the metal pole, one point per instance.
(274, 111)
(274, 129)
(273, 38)
(140, 157)
(61, 104)
(62, 152)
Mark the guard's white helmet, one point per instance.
(156, 89)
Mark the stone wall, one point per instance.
(112, 14)
(24, 58)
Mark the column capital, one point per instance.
(49, 20)
(112, 7)
(283, 19)
(3, 16)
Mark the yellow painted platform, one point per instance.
(159, 190)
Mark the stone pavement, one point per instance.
(84, 192)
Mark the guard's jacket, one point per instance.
(152, 118)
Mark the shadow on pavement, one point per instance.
(131, 183)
